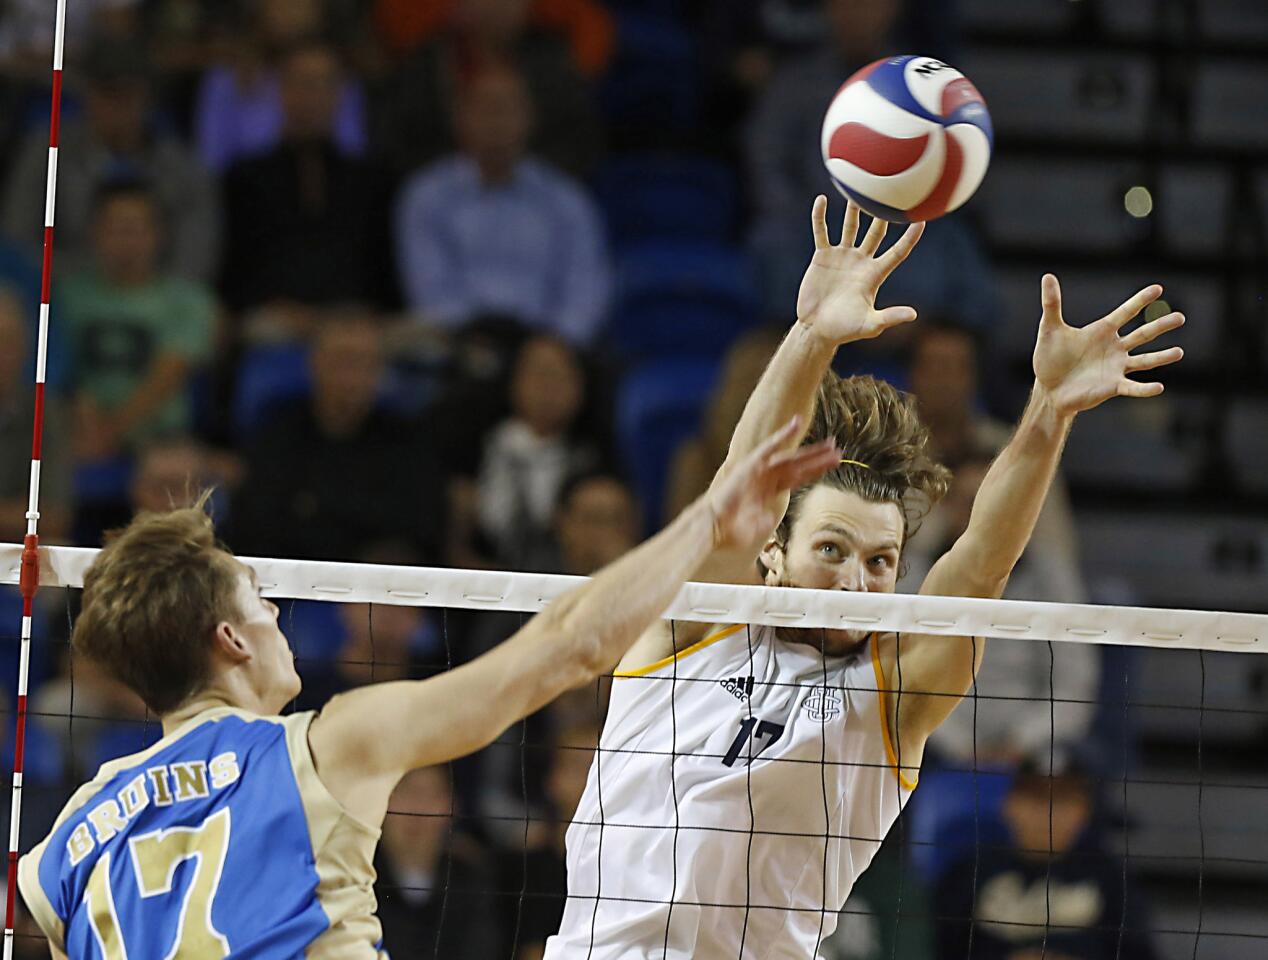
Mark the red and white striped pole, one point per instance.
(30, 578)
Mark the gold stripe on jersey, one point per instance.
(694, 648)
(882, 704)
(343, 847)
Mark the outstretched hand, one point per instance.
(747, 505)
(838, 292)
(1082, 367)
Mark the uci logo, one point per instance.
(822, 705)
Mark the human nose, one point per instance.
(850, 576)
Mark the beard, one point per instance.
(831, 641)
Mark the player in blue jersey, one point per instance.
(247, 834)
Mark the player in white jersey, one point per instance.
(281, 816)
(747, 775)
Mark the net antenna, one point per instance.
(29, 581)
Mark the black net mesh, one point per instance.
(1141, 838)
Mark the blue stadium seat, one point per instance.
(42, 652)
(951, 813)
(267, 375)
(654, 82)
(657, 407)
(653, 196)
(313, 627)
(102, 481)
(43, 762)
(121, 739)
(677, 298)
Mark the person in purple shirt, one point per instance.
(239, 108)
(493, 230)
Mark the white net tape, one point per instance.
(716, 603)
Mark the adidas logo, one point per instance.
(739, 687)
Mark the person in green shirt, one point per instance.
(136, 334)
(888, 915)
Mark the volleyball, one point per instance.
(907, 139)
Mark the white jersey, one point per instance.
(739, 791)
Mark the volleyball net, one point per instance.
(1167, 817)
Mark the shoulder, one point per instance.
(285, 425)
(430, 183)
(186, 293)
(177, 161)
(552, 182)
(74, 294)
(220, 82)
(258, 170)
(113, 775)
(396, 429)
(509, 437)
(670, 645)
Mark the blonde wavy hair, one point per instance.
(876, 425)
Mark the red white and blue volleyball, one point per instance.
(908, 138)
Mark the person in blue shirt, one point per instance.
(492, 229)
(247, 834)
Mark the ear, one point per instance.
(772, 557)
(230, 644)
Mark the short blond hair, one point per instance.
(151, 603)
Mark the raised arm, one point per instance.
(836, 305)
(1076, 369)
(364, 741)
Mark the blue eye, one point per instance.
(829, 549)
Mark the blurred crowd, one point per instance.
(486, 283)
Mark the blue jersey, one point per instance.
(218, 841)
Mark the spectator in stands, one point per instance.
(888, 915)
(84, 710)
(402, 25)
(493, 230)
(541, 871)
(529, 456)
(17, 417)
(374, 643)
(239, 110)
(113, 140)
(942, 371)
(307, 224)
(995, 729)
(943, 374)
(419, 108)
(434, 886)
(596, 522)
(746, 40)
(170, 473)
(947, 272)
(698, 457)
(472, 401)
(26, 32)
(1053, 891)
(335, 470)
(136, 331)
(1000, 725)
